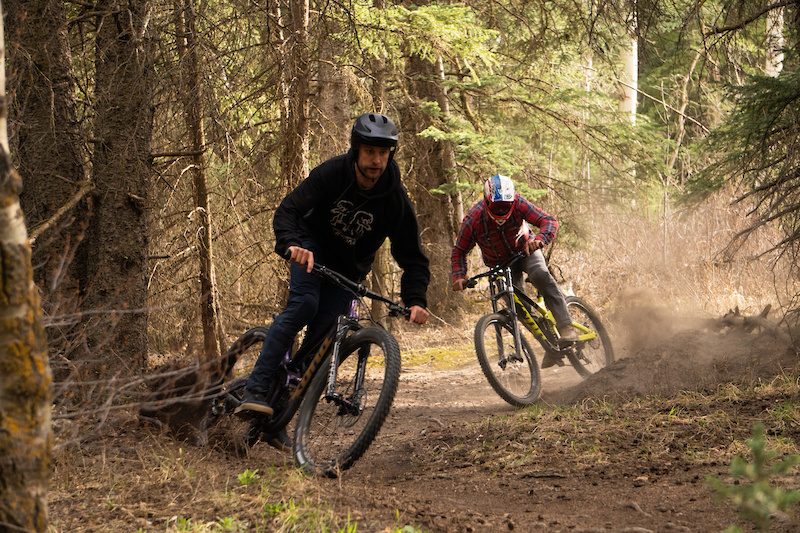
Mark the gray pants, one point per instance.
(538, 274)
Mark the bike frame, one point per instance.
(502, 287)
(300, 368)
(344, 324)
(297, 380)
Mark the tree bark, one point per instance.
(192, 95)
(294, 160)
(117, 258)
(775, 42)
(434, 211)
(49, 157)
(293, 17)
(26, 439)
(331, 121)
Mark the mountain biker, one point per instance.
(339, 216)
(498, 224)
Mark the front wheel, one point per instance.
(593, 352)
(514, 376)
(331, 434)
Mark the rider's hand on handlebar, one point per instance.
(419, 315)
(458, 285)
(302, 257)
(532, 246)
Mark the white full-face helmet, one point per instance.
(498, 192)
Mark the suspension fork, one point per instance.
(344, 323)
(503, 287)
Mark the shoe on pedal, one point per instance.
(281, 441)
(552, 359)
(254, 403)
(568, 335)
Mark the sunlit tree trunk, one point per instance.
(775, 42)
(117, 259)
(630, 75)
(192, 95)
(25, 431)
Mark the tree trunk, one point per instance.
(26, 439)
(630, 76)
(775, 42)
(448, 154)
(117, 258)
(294, 162)
(49, 158)
(430, 172)
(331, 123)
(192, 96)
(294, 106)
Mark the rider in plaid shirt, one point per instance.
(499, 225)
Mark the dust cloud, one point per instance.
(660, 354)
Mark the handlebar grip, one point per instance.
(470, 283)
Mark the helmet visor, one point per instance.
(500, 208)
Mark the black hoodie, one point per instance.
(349, 224)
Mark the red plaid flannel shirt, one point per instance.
(498, 243)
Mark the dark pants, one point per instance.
(538, 274)
(313, 303)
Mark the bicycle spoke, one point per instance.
(589, 356)
(514, 376)
(332, 433)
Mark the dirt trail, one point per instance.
(557, 491)
(434, 467)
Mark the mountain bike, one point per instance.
(506, 356)
(341, 390)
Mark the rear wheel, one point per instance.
(331, 434)
(514, 376)
(247, 349)
(589, 356)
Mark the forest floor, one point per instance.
(627, 450)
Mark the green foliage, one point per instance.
(752, 491)
(248, 477)
(429, 31)
(230, 524)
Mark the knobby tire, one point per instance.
(252, 431)
(328, 440)
(590, 356)
(517, 381)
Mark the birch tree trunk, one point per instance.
(26, 439)
(775, 42)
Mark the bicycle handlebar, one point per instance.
(359, 290)
(473, 281)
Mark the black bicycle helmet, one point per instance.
(373, 129)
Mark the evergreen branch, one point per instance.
(752, 18)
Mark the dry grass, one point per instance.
(117, 481)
